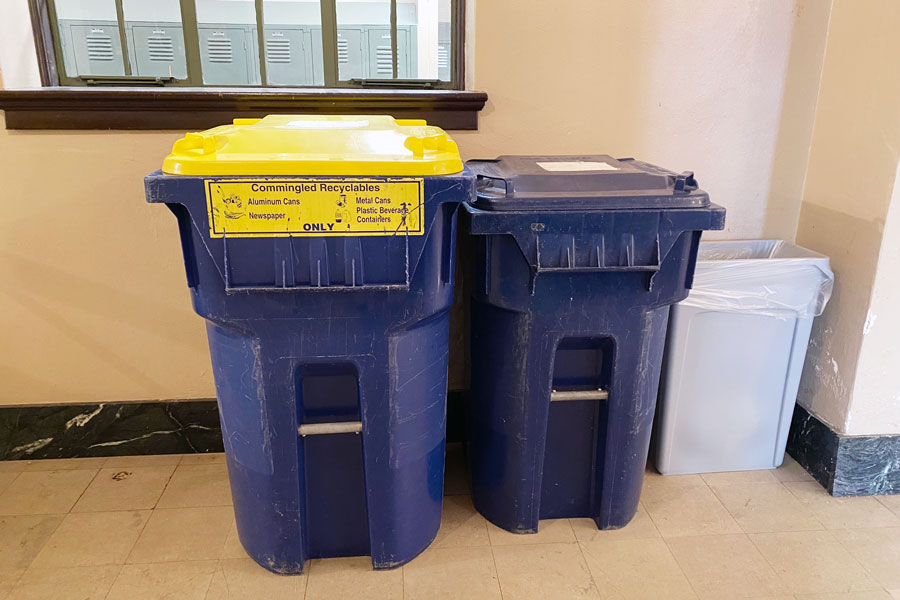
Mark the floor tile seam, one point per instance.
(109, 459)
(16, 582)
(306, 583)
(138, 537)
(12, 481)
(176, 560)
(591, 571)
(189, 506)
(81, 495)
(232, 525)
(213, 578)
(494, 561)
(55, 528)
(879, 498)
(155, 502)
(779, 575)
(816, 516)
(115, 579)
(680, 566)
(810, 512)
(163, 491)
(860, 563)
(19, 474)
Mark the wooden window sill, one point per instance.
(182, 108)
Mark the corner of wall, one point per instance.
(847, 222)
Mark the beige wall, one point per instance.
(726, 89)
(93, 302)
(850, 180)
(875, 407)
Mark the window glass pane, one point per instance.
(89, 37)
(155, 38)
(91, 44)
(445, 46)
(364, 40)
(429, 22)
(293, 42)
(229, 49)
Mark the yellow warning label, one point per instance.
(315, 207)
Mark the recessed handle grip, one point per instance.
(578, 395)
(329, 428)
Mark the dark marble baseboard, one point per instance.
(110, 429)
(117, 429)
(845, 465)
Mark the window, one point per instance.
(195, 64)
(266, 43)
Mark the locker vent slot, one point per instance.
(343, 51)
(220, 50)
(278, 51)
(161, 48)
(99, 47)
(384, 65)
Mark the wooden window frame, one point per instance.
(60, 106)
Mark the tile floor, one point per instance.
(157, 527)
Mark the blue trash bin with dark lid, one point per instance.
(320, 251)
(577, 261)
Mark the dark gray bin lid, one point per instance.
(584, 182)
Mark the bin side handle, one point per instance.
(485, 181)
(571, 395)
(330, 428)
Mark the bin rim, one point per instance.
(797, 284)
(316, 145)
(773, 247)
(587, 182)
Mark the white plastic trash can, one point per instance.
(734, 354)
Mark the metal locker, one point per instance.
(380, 62)
(65, 45)
(288, 60)
(350, 54)
(380, 58)
(225, 55)
(410, 55)
(251, 41)
(318, 61)
(443, 51)
(97, 49)
(157, 50)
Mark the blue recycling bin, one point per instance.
(577, 261)
(320, 251)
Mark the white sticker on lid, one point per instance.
(577, 165)
(316, 124)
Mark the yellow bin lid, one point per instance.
(316, 145)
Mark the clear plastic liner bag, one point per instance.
(765, 277)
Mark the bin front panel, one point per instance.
(231, 276)
(510, 411)
(753, 360)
